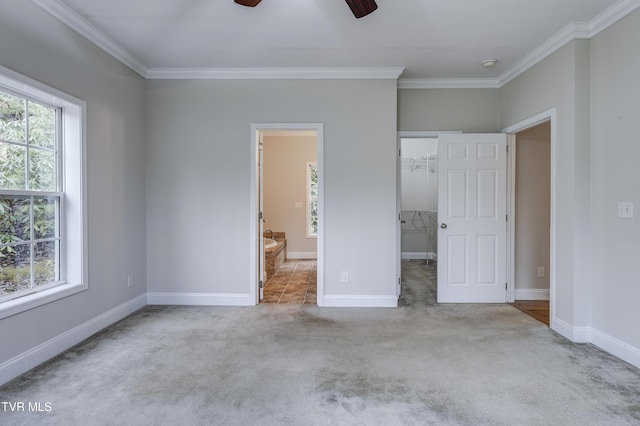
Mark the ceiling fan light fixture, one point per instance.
(362, 8)
(249, 3)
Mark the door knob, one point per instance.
(443, 226)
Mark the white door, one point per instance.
(472, 218)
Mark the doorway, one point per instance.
(289, 182)
(418, 175)
(287, 220)
(531, 122)
(531, 217)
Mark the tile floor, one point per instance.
(294, 283)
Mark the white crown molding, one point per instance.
(448, 83)
(573, 31)
(612, 15)
(74, 21)
(274, 73)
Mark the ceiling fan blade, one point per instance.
(250, 3)
(362, 8)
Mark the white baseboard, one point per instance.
(302, 255)
(24, 362)
(532, 294)
(575, 334)
(616, 347)
(605, 342)
(203, 299)
(348, 301)
(419, 255)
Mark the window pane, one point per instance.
(44, 218)
(12, 166)
(313, 185)
(42, 170)
(14, 219)
(44, 262)
(15, 268)
(12, 118)
(314, 217)
(42, 125)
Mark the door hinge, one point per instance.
(398, 280)
(260, 215)
(507, 218)
(506, 286)
(260, 284)
(507, 148)
(399, 151)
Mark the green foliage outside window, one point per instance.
(313, 197)
(27, 163)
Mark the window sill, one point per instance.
(21, 304)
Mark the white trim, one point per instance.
(448, 83)
(531, 294)
(74, 21)
(612, 15)
(575, 30)
(24, 362)
(574, 334)
(302, 255)
(391, 73)
(201, 299)
(608, 343)
(256, 129)
(74, 264)
(616, 347)
(419, 134)
(549, 115)
(353, 301)
(39, 298)
(569, 33)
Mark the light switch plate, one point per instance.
(625, 210)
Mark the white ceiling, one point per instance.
(431, 39)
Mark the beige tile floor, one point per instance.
(294, 283)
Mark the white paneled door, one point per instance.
(472, 210)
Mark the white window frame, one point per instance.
(309, 200)
(73, 266)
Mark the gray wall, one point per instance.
(38, 46)
(555, 83)
(615, 176)
(466, 110)
(198, 174)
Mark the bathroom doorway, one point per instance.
(288, 232)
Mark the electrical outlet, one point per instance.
(345, 276)
(540, 271)
(130, 281)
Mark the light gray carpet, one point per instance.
(301, 365)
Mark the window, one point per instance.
(312, 200)
(42, 209)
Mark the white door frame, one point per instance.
(256, 128)
(549, 115)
